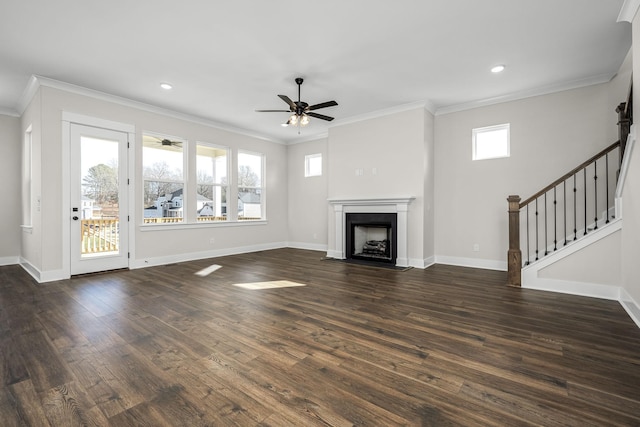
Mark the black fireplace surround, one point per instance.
(371, 237)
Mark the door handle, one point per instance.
(75, 218)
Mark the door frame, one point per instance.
(69, 118)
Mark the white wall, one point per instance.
(631, 199)
(10, 149)
(307, 212)
(169, 243)
(598, 263)
(550, 135)
(390, 151)
(31, 250)
(429, 189)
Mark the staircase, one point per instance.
(577, 209)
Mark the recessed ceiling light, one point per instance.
(497, 69)
(166, 86)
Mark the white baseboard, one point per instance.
(487, 264)
(43, 276)
(335, 254)
(171, 259)
(593, 290)
(630, 305)
(10, 260)
(308, 246)
(421, 263)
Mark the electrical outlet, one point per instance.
(476, 247)
(315, 236)
(212, 240)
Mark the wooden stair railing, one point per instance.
(577, 179)
(516, 207)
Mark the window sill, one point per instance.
(192, 225)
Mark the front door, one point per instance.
(99, 208)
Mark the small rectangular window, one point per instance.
(491, 142)
(313, 165)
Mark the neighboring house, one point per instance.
(249, 205)
(171, 206)
(87, 207)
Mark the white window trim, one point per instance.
(475, 132)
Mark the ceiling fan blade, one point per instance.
(322, 105)
(286, 99)
(273, 111)
(320, 116)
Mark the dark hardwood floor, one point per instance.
(356, 346)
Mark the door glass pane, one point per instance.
(99, 207)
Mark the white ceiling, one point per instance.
(226, 59)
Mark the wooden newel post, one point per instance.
(514, 256)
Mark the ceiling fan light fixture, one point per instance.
(304, 120)
(293, 120)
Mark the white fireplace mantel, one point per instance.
(397, 205)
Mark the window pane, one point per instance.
(163, 174)
(211, 203)
(249, 203)
(211, 164)
(491, 142)
(163, 202)
(249, 170)
(162, 159)
(313, 165)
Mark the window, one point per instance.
(490, 142)
(211, 183)
(250, 179)
(313, 165)
(163, 176)
(26, 178)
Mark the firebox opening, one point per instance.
(371, 237)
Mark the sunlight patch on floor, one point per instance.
(268, 285)
(207, 271)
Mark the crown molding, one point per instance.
(9, 112)
(382, 113)
(35, 82)
(544, 90)
(628, 11)
(27, 94)
(310, 138)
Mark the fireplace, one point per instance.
(398, 206)
(371, 237)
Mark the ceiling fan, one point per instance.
(301, 110)
(164, 142)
